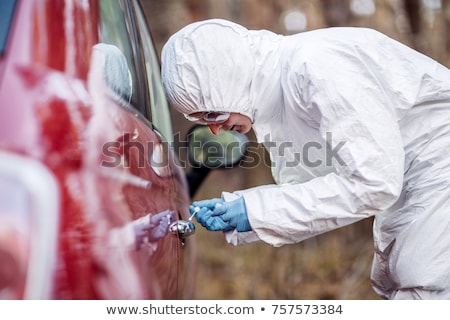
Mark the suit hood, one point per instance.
(218, 65)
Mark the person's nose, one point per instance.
(215, 128)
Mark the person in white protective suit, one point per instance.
(356, 124)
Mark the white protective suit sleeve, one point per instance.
(347, 97)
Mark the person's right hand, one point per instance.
(209, 203)
(206, 216)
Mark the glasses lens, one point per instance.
(193, 117)
(208, 117)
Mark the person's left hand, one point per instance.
(235, 213)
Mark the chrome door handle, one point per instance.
(182, 228)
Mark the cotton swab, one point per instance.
(196, 209)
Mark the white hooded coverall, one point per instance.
(356, 125)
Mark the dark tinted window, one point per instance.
(6, 14)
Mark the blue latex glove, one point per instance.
(235, 213)
(206, 217)
(210, 204)
(217, 214)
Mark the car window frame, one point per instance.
(158, 107)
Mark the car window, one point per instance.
(116, 30)
(6, 14)
(159, 107)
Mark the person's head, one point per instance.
(207, 71)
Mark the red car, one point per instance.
(93, 201)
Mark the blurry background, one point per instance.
(335, 265)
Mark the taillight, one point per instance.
(29, 204)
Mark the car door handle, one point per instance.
(182, 228)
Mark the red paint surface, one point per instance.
(44, 116)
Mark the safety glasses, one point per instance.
(208, 117)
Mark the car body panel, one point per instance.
(112, 168)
